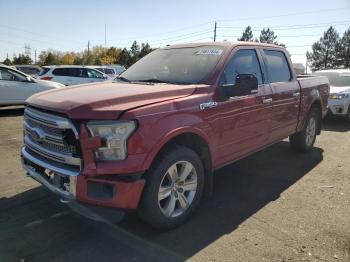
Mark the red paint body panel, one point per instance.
(234, 128)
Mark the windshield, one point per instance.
(178, 65)
(336, 79)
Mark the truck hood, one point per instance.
(339, 89)
(106, 100)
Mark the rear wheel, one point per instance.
(173, 189)
(303, 141)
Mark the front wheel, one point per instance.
(173, 189)
(303, 141)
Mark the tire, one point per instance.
(304, 141)
(166, 209)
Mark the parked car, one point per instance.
(31, 70)
(151, 139)
(118, 68)
(72, 75)
(339, 99)
(16, 87)
(106, 70)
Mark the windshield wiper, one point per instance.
(122, 78)
(156, 80)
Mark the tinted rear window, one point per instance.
(277, 66)
(70, 71)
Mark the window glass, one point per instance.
(94, 73)
(70, 71)
(277, 66)
(187, 65)
(9, 75)
(44, 71)
(243, 62)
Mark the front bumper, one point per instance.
(108, 191)
(339, 107)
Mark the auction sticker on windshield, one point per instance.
(210, 51)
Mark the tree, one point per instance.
(68, 59)
(22, 59)
(247, 35)
(124, 58)
(267, 36)
(51, 59)
(343, 50)
(145, 49)
(7, 61)
(106, 59)
(324, 52)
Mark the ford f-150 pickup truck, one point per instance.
(151, 139)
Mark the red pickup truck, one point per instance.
(151, 139)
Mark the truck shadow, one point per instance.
(11, 111)
(34, 226)
(335, 125)
(240, 190)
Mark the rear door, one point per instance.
(285, 94)
(242, 123)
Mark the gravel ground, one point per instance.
(275, 205)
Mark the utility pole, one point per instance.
(105, 35)
(35, 57)
(215, 32)
(88, 54)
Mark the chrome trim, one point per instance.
(38, 177)
(296, 94)
(63, 158)
(46, 165)
(58, 140)
(267, 101)
(50, 120)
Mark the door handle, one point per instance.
(296, 94)
(267, 101)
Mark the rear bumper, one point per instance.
(108, 191)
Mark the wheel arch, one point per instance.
(195, 141)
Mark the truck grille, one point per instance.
(52, 139)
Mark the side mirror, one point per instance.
(246, 84)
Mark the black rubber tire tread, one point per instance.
(149, 210)
(298, 140)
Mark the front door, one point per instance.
(243, 122)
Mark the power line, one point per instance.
(288, 14)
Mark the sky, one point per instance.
(68, 25)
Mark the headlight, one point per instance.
(339, 96)
(114, 135)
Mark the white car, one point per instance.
(339, 98)
(72, 75)
(16, 87)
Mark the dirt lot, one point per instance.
(273, 206)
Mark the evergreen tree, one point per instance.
(145, 49)
(324, 52)
(267, 36)
(343, 50)
(247, 35)
(22, 59)
(7, 61)
(124, 58)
